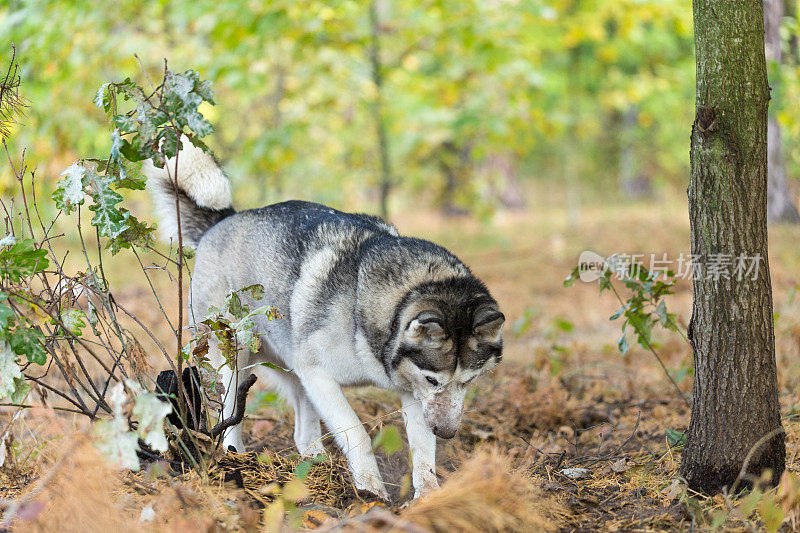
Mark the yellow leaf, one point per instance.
(295, 490)
(273, 516)
(771, 513)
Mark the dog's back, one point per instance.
(276, 246)
(360, 303)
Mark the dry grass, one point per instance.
(79, 497)
(487, 493)
(560, 399)
(328, 482)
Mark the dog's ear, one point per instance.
(427, 329)
(488, 324)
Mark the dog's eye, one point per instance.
(432, 381)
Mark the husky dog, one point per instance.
(361, 305)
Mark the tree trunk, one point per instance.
(454, 164)
(377, 109)
(790, 10)
(632, 182)
(736, 408)
(780, 200)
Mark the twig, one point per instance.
(752, 451)
(238, 415)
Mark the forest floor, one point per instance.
(566, 434)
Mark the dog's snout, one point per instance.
(444, 432)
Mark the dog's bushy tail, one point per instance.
(202, 189)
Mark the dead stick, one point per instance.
(238, 415)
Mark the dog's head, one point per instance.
(447, 336)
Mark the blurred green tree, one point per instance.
(475, 97)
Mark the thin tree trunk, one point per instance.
(790, 10)
(632, 182)
(780, 200)
(736, 410)
(781, 205)
(571, 149)
(377, 109)
(508, 188)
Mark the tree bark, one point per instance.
(735, 387)
(781, 205)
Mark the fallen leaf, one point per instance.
(315, 518)
(621, 465)
(481, 434)
(575, 473)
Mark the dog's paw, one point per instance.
(425, 484)
(311, 449)
(371, 487)
(371, 496)
(235, 446)
(420, 492)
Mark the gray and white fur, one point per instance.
(361, 305)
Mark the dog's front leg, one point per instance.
(422, 442)
(230, 379)
(330, 402)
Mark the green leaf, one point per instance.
(9, 371)
(572, 277)
(605, 281)
(236, 307)
(21, 389)
(622, 344)
(256, 291)
(73, 320)
(116, 145)
(302, 469)
(21, 260)
(131, 183)
(563, 324)
(124, 123)
(6, 313)
(661, 312)
(275, 367)
(749, 503)
(199, 124)
(136, 234)
(388, 439)
(101, 98)
(171, 143)
(254, 343)
(676, 439)
(29, 341)
(109, 219)
(69, 189)
(150, 411)
(116, 444)
(183, 94)
(523, 323)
